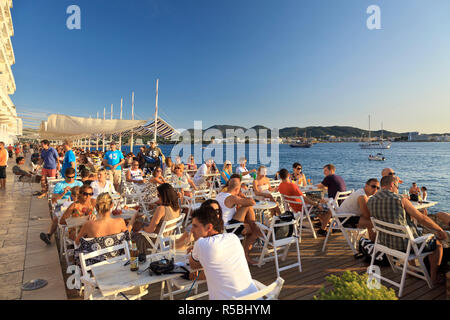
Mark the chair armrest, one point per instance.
(423, 238)
(345, 214)
(262, 226)
(86, 280)
(152, 235)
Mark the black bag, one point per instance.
(284, 231)
(166, 266)
(365, 247)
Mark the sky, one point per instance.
(239, 62)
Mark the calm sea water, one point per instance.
(426, 163)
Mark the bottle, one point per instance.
(134, 261)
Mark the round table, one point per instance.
(181, 186)
(262, 206)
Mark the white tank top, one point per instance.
(227, 213)
(136, 175)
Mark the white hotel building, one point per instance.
(10, 124)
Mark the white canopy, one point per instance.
(61, 126)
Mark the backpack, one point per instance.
(365, 248)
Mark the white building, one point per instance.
(10, 124)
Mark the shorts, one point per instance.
(351, 222)
(48, 172)
(238, 231)
(115, 176)
(2, 172)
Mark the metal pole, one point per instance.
(104, 118)
(111, 118)
(120, 134)
(97, 134)
(132, 118)
(156, 112)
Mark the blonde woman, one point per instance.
(262, 188)
(103, 225)
(101, 184)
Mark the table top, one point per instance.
(76, 221)
(423, 204)
(113, 278)
(264, 205)
(184, 186)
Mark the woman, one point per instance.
(168, 167)
(102, 185)
(226, 172)
(128, 160)
(149, 191)
(262, 188)
(424, 193)
(135, 174)
(84, 206)
(168, 210)
(179, 177)
(298, 176)
(103, 225)
(191, 164)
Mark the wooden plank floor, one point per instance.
(316, 265)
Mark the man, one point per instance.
(24, 172)
(140, 157)
(70, 161)
(387, 205)
(236, 208)
(61, 191)
(113, 161)
(414, 192)
(10, 151)
(3, 164)
(49, 159)
(356, 203)
(390, 172)
(199, 178)
(221, 256)
(332, 182)
(242, 169)
(153, 155)
(289, 188)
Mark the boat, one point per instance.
(376, 144)
(377, 157)
(299, 144)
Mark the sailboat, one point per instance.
(300, 144)
(376, 144)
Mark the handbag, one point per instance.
(284, 231)
(365, 248)
(166, 266)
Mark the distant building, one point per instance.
(415, 136)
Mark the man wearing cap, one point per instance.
(242, 169)
(113, 161)
(152, 155)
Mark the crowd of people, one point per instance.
(92, 177)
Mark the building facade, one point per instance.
(10, 124)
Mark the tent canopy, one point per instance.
(62, 126)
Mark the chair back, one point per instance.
(170, 227)
(288, 200)
(270, 292)
(342, 195)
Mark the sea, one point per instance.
(426, 163)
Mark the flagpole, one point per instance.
(120, 134)
(97, 133)
(132, 118)
(104, 118)
(156, 112)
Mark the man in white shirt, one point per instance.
(220, 255)
(356, 203)
(242, 169)
(199, 178)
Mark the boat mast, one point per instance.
(132, 118)
(369, 128)
(156, 112)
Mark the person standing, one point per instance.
(49, 159)
(113, 161)
(3, 164)
(70, 161)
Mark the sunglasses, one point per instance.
(70, 177)
(88, 194)
(377, 187)
(177, 169)
(298, 168)
(392, 173)
(158, 170)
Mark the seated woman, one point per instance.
(102, 185)
(226, 172)
(84, 206)
(298, 176)
(262, 188)
(149, 191)
(168, 167)
(128, 160)
(179, 177)
(168, 210)
(135, 174)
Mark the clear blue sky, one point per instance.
(244, 62)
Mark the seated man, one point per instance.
(356, 203)
(62, 189)
(221, 257)
(414, 192)
(332, 182)
(390, 172)
(199, 179)
(24, 173)
(239, 209)
(242, 169)
(387, 205)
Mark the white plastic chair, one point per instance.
(21, 185)
(270, 292)
(399, 259)
(91, 292)
(351, 235)
(341, 196)
(304, 213)
(269, 239)
(168, 228)
(194, 202)
(231, 228)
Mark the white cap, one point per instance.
(227, 162)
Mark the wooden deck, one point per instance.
(316, 265)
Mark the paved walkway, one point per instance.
(23, 256)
